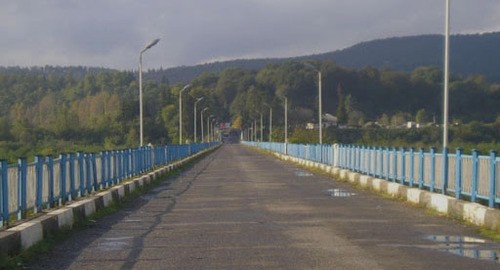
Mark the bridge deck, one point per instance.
(237, 209)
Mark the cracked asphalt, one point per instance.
(238, 209)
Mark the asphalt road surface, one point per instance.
(237, 209)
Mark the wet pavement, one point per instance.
(237, 209)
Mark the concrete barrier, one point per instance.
(474, 213)
(28, 233)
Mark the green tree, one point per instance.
(341, 112)
(421, 116)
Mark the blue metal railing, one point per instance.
(472, 177)
(48, 182)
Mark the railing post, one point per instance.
(362, 159)
(119, 166)
(81, 173)
(387, 163)
(373, 157)
(50, 170)
(335, 155)
(4, 193)
(358, 157)
(403, 165)
(475, 171)
(94, 172)
(492, 194)
(380, 162)
(421, 168)
(88, 174)
(347, 156)
(115, 167)
(138, 158)
(354, 158)
(22, 172)
(458, 174)
(394, 164)
(72, 191)
(62, 169)
(352, 164)
(412, 166)
(109, 172)
(445, 171)
(39, 183)
(103, 169)
(433, 169)
(129, 162)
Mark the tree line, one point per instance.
(52, 110)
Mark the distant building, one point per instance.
(311, 126)
(411, 124)
(328, 121)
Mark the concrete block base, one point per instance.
(474, 213)
(26, 234)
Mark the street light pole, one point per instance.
(201, 123)
(213, 129)
(320, 109)
(320, 101)
(194, 121)
(255, 129)
(261, 128)
(180, 111)
(141, 128)
(446, 75)
(208, 128)
(286, 126)
(270, 122)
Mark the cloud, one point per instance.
(111, 33)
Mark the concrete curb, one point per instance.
(474, 213)
(23, 236)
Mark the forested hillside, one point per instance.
(50, 112)
(470, 55)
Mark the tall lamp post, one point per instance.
(270, 121)
(286, 126)
(446, 75)
(261, 128)
(201, 123)
(194, 121)
(208, 127)
(255, 130)
(320, 106)
(180, 111)
(141, 128)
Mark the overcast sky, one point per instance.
(111, 33)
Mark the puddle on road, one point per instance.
(337, 192)
(469, 247)
(148, 197)
(132, 220)
(303, 173)
(114, 244)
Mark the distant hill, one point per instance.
(469, 54)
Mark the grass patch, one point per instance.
(493, 235)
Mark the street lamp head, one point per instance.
(200, 99)
(185, 87)
(154, 42)
(309, 65)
